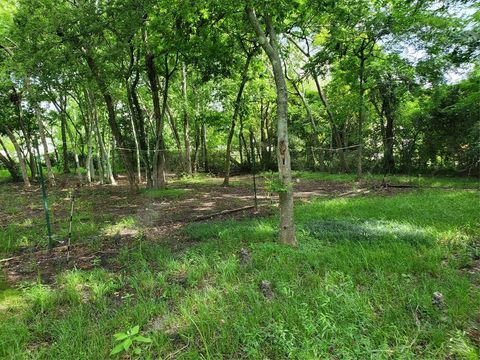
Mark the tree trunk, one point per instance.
(236, 111)
(287, 225)
(63, 126)
(389, 165)
(21, 159)
(140, 127)
(176, 137)
(204, 148)
(264, 136)
(186, 137)
(159, 179)
(112, 121)
(196, 151)
(333, 126)
(361, 113)
(18, 108)
(11, 166)
(46, 156)
(315, 142)
(102, 153)
(75, 154)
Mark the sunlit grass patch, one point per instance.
(126, 225)
(11, 239)
(202, 179)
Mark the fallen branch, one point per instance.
(223, 212)
(355, 192)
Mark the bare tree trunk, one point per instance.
(63, 127)
(46, 156)
(316, 146)
(264, 135)
(204, 148)
(176, 136)
(186, 125)
(49, 134)
(21, 159)
(236, 111)
(287, 225)
(112, 121)
(361, 114)
(102, 153)
(75, 153)
(333, 126)
(18, 109)
(326, 105)
(9, 162)
(159, 179)
(100, 163)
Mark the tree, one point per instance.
(269, 42)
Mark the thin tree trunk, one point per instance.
(89, 161)
(63, 127)
(287, 225)
(112, 121)
(204, 148)
(186, 125)
(46, 156)
(236, 111)
(176, 137)
(333, 126)
(75, 154)
(49, 134)
(21, 159)
(361, 115)
(140, 128)
(102, 153)
(389, 142)
(197, 148)
(316, 146)
(18, 108)
(159, 179)
(134, 131)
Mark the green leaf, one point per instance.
(120, 336)
(127, 343)
(117, 349)
(137, 351)
(142, 339)
(134, 330)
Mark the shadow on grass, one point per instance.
(367, 230)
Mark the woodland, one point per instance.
(253, 179)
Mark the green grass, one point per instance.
(165, 193)
(421, 181)
(203, 179)
(359, 286)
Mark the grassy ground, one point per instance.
(419, 180)
(359, 285)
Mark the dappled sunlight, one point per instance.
(125, 226)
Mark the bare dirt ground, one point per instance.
(158, 218)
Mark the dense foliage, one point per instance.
(151, 86)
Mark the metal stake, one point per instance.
(45, 197)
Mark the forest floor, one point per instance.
(360, 284)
